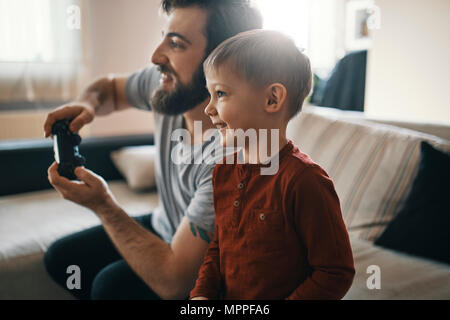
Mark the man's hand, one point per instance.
(81, 113)
(199, 298)
(91, 191)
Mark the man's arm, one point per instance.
(102, 97)
(208, 284)
(170, 270)
(107, 94)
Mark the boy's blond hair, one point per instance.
(264, 57)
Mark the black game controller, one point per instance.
(65, 145)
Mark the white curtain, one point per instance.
(40, 50)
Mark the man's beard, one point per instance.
(183, 98)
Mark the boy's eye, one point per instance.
(220, 94)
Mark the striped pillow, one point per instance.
(372, 165)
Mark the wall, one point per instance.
(121, 37)
(408, 75)
(326, 34)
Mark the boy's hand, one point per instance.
(92, 192)
(81, 113)
(199, 298)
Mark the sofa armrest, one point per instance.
(24, 163)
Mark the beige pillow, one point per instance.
(137, 165)
(372, 165)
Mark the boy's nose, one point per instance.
(210, 110)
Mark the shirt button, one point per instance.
(262, 217)
(240, 186)
(236, 203)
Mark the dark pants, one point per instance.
(104, 273)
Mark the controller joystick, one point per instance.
(65, 145)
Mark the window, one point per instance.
(40, 53)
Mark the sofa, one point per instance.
(373, 163)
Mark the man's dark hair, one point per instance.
(226, 18)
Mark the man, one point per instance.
(157, 255)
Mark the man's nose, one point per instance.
(159, 57)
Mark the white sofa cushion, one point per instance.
(30, 222)
(137, 165)
(402, 276)
(372, 165)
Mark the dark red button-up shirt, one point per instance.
(276, 236)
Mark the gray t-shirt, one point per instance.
(184, 187)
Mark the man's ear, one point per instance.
(276, 95)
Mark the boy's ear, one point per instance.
(276, 95)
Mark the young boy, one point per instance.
(278, 236)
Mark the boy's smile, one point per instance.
(234, 103)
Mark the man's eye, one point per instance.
(220, 94)
(175, 44)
